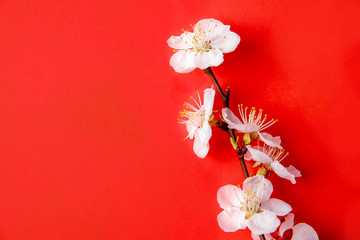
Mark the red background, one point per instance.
(89, 143)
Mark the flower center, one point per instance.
(201, 46)
(253, 118)
(193, 116)
(252, 204)
(249, 202)
(274, 153)
(200, 41)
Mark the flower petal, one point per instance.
(183, 61)
(226, 42)
(261, 185)
(229, 196)
(303, 231)
(281, 171)
(235, 123)
(191, 128)
(270, 140)
(230, 118)
(209, 96)
(276, 206)
(232, 220)
(184, 41)
(258, 156)
(249, 128)
(264, 222)
(200, 149)
(208, 23)
(205, 133)
(248, 156)
(287, 224)
(291, 169)
(210, 29)
(212, 58)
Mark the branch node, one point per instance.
(222, 125)
(227, 92)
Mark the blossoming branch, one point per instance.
(250, 206)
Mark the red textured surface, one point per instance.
(89, 144)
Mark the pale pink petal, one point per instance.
(303, 231)
(258, 156)
(256, 237)
(184, 41)
(265, 190)
(287, 224)
(260, 148)
(281, 171)
(209, 95)
(251, 182)
(191, 128)
(208, 24)
(270, 140)
(212, 58)
(276, 206)
(205, 133)
(248, 156)
(226, 42)
(200, 149)
(231, 220)
(291, 169)
(235, 123)
(263, 223)
(230, 118)
(261, 185)
(249, 128)
(229, 196)
(183, 61)
(210, 29)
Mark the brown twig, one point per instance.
(225, 97)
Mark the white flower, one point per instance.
(271, 158)
(196, 119)
(287, 231)
(251, 123)
(202, 48)
(251, 207)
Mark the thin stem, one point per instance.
(224, 97)
(240, 152)
(262, 237)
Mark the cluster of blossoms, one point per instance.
(250, 207)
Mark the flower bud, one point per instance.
(256, 164)
(262, 171)
(254, 135)
(246, 138)
(234, 143)
(213, 121)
